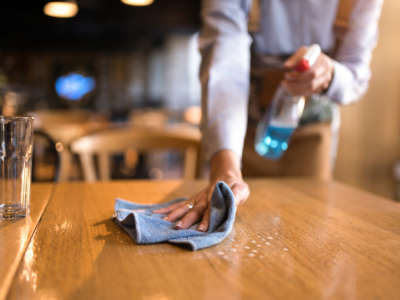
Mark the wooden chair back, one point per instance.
(118, 140)
(64, 126)
(148, 117)
(45, 158)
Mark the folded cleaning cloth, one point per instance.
(145, 227)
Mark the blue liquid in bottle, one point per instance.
(275, 141)
(276, 128)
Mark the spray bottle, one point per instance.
(279, 122)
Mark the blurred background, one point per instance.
(106, 62)
(86, 65)
(369, 146)
(123, 56)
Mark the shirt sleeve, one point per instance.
(352, 60)
(224, 74)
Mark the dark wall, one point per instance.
(100, 25)
(107, 37)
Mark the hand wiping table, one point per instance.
(146, 227)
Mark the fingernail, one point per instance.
(178, 225)
(201, 227)
(166, 218)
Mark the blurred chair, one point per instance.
(192, 115)
(45, 158)
(64, 126)
(149, 117)
(50, 117)
(142, 139)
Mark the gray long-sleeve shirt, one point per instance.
(285, 26)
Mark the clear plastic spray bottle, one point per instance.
(279, 122)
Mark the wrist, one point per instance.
(331, 74)
(225, 164)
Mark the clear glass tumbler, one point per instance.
(16, 142)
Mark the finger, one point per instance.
(306, 79)
(167, 209)
(177, 213)
(304, 88)
(328, 74)
(317, 70)
(324, 84)
(321, 82)
(292, 75)
(292, 61)
(203, 226)
(295, 89)
(328, 81)
(191, 217)
(241, 192)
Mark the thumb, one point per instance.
(241, 192)
(292, 61)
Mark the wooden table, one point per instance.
(16, 235)
(293, 239)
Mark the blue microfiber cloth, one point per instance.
(148, 228)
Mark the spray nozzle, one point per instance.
(309, 58)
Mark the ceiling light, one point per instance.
(61, 9)
(137, 2)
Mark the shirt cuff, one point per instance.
(342, 77)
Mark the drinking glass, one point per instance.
(16, 142)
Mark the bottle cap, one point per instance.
(309, 58)
(303, 65)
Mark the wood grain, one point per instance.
(15, 235)
(293, 239)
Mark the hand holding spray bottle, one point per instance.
(278, 124)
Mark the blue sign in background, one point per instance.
(74, 86)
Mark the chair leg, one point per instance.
(104, 165)
(65, 163)
(89, 171)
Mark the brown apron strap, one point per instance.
(342, 21)
(253, 23)
(343, 13)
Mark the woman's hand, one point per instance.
(224, 167)
(313, 81)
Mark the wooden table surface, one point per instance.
(15, 235)
(293, 239)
